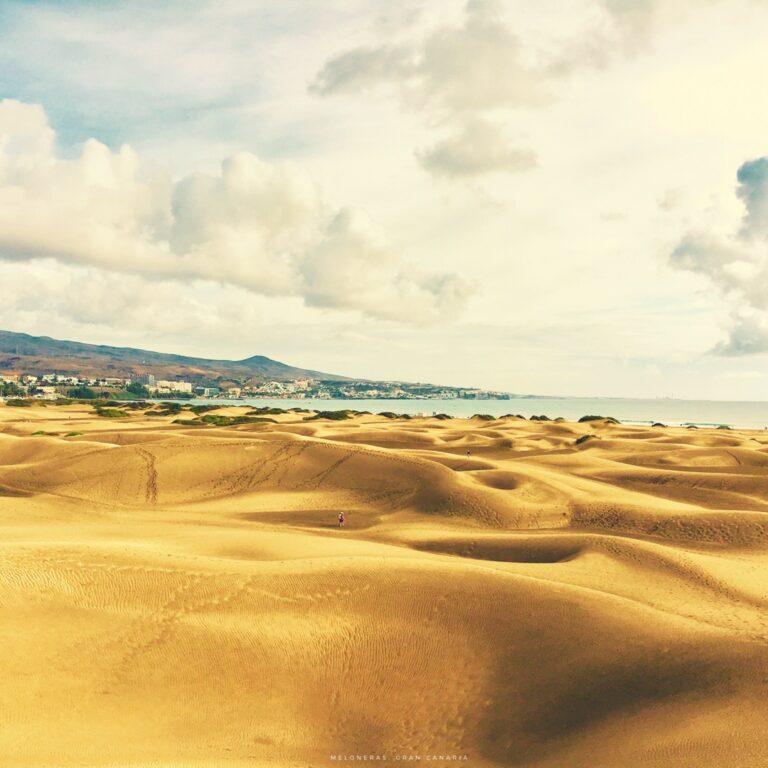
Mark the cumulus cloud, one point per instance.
(353, 261)
(46, 295)
(475, 66)
(737, 264)
(748, 335)
(753, 191)
(458, 73)
(477, 147)
(255, 225)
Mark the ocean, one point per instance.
(702, 413)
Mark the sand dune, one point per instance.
(177, 595)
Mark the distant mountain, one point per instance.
(38, 355)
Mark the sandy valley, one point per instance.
(180, 595)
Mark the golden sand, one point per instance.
(182, 596)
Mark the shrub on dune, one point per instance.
(166, 409)
(16, 402)
(330, 415)
(232, 421)
(111, 413)
(609, 419)
(584, 438)
(203, 408)
(484, 417)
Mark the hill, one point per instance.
(39, 355)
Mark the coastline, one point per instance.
(700, 413)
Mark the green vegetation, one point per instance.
(10, 389)
(484, 417)
(723, 426)
(111, 413)
(18, 403)
(540, 418)
(609, 419)
(658, 424)
(166, 408)
(583, 439)
(73, 434)
(391, 415)
(330, 415)
(135, 388)
(231, 421)
(203, 408)
(266, 411)
(82, 393)
(442, 416)
(189, 422)
(39, 432)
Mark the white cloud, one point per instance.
(475, 66)
(457, 73)
(256, 225)
(477, 147)
(748, 334)
(736, 264)
(353, 266)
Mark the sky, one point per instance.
(567, 197)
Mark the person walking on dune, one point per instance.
(341, 519)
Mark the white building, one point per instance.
(173, 386)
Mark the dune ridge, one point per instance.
(174, 595)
